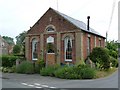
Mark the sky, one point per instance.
(17, 16)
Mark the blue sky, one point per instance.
(19, 15)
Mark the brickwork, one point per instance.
(62, 28)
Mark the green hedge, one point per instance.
(26, 67)
(8, 60)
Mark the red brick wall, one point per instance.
(61, 25)
(92, 40)
(59, 22)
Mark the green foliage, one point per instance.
(26, 67)
(114, 54)
(39, 64)
(49, 71)
(112, 47)
(69, 72)
(8, 60)
(114, 62)
(20, 38)
(16, 49)
(101, 56)
(9, 40)
(87, 73)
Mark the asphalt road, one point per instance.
(36, 81)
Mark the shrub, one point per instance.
(26, 67)
(39, 64)
(49, 71)
(8, 60)
(113, 54)
(114, 62)
(67, 73)
(75, 72)
(101, 56)
(87, 73)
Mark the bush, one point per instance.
(113, 54)
(87, 73)
(114, 62)
(49, 71)
(26, 67)
(67, 73)
(39, 64)
(8, 60)
(75, 72)
(101, 56)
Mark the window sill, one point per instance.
(70, 60)
(50, 53)
(34, 59)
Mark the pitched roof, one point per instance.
(79, 24)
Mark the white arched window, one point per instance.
(34, 50)
(68, 48)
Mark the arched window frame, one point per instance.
(50, 45)
(50, 28)
(68, 57)
(34, 49)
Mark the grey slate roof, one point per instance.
(79, 24)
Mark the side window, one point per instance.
(88, 45)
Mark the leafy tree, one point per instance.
(9, 40)
(101, 56)
(112, 47)
(17, 49)
(20, 38)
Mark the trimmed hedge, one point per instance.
(8, 60)
(26, 67)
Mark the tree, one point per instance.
(16, 49)
(20, 38)
(112, 47)
(9, 40)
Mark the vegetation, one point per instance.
(9, 40)
(49, 71)
(26, 67)
(8, 60)
(16, 49)
(39, 64)
(69, 72)
(20, 38)
(100, 55)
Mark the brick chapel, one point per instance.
(60, 39)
